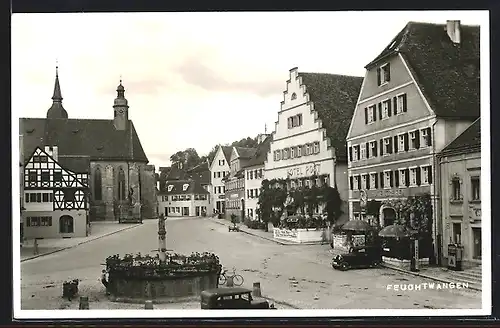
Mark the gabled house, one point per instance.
(219, 168)
(183, 198)
(418, 95)
(235, 181)
(55, 199)
(308, 144)
(459, 179)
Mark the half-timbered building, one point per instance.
(55, 198)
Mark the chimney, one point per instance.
(55, 153)
(453, 30)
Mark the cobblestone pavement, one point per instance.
(292, 276)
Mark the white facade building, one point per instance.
(309, 136)
(254, 174)
(218, 170)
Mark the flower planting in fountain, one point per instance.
(150, 267)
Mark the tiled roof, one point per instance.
(79, 164)
(261, 152)
(448, 74)
(176, 174)
(194, 187)
(468, 141)
(244, 152)
(227, 152)
(334, 97)
(203, 177)
(97, 139)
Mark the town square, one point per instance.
(175, 170)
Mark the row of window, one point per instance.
(222, 162)
(386, 108)
(66, 224)
(323, 180)
(237, 184)
(165, 198)
(408, 141)
(403, 177)
(39, 221)
(456, 186)
(253, 193)
(294, 121)
(220, 174)
(45, 176)
(297, 151)
(255, 174)
(185, 210)
(219, 189)
(233, 204)
(38, 197)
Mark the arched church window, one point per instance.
(66, 224)
(121, 184)
(97, 184)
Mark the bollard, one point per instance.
(148, 305)
(35, 247)
(84, 303)
(230, 281)
(256, 290)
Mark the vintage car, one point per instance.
(231, 298)
(358, 257)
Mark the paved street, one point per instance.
(294, 276)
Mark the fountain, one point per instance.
(165, 277)
(130, 212)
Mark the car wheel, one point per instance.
(344, 266)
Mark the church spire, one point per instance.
(57, 110)
(120, 107)
(57, 88)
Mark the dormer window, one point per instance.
(383, 74)
(185, 186)
(170, 187)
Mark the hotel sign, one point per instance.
(233, 196)
(222, 196)
(304, 170)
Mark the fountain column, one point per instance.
(162, 238)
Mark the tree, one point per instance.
(333, 204)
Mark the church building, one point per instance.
(109, 149)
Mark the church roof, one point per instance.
(80, 164)
(448, 74)
(97, 139)
(334, 98)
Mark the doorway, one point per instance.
(197, 211)
(476, 243)
(389, 216)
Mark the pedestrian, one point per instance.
(104, 280)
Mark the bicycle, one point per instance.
(237, 279)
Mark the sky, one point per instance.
(192, 79)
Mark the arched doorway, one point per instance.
(387, 215)
(66, 224)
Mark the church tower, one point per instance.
(57, 110)
(121, 109)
